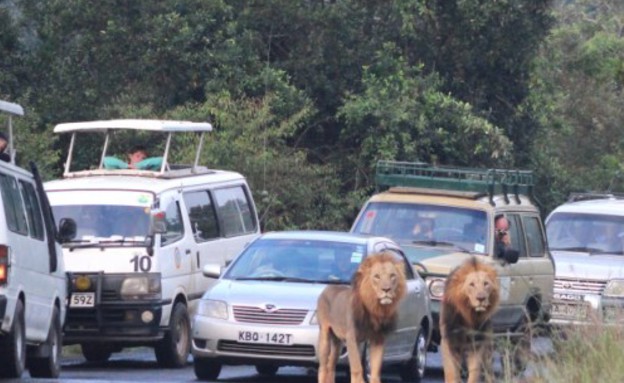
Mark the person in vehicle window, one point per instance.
(136, 154)
(136, 159)
(502, 240)
(423, 230)
(345, 265)
(4, 142)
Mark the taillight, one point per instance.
(4, 264)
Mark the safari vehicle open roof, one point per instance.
(11, 109)
(470, 183)
(105, 127)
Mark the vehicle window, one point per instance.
(535, 238)
(599, 232)
(517, 235)
(410, 222)
(33, 210)
(105, 221)
(236, 215)
(311, 260)
(202, 215)
(13, 205)
(173, 222)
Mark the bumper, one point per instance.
(131, 323)
(230, 342)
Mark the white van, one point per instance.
(142, 239)
(32, 276)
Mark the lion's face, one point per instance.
(382, 278)
(478, 288)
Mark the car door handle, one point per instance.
(187, 251)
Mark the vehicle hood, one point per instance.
(417, 253)
(255, 293)
(583, 266)
(444, 264)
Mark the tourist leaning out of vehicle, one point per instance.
(502, 242)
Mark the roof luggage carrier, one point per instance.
(476, 183)
(106, 127)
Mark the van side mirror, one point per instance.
(67, 230)
(158, 224)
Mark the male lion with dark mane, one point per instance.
(364, 311)
(471, 295)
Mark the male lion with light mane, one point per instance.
(364, 311)
(471, 295)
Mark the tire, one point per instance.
(13, 346)
(206, 368)
(49, 366)
(174, 349)
(267, 369)
(96, 352)
(414, 369)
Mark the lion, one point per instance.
(364, 311)
(471, 296)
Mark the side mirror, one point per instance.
(67, 230)
(511, 256)
(158, 224)
(212, 270)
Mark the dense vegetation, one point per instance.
(306, 96)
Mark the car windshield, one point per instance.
(298, 261)
(461, 229)
(106, 223)
(590, 233)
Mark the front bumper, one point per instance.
(225, 340)
(112, 319)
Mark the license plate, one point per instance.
(82, 300)
(570, 311)
(265, 337)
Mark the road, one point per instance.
(139, 365)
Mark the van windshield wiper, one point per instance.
(91, 242)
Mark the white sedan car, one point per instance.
(262, 310)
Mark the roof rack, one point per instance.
(11, 109)
(481, 181)
(587, 196)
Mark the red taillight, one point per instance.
(4, 264)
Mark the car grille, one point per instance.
(250, 314)
(581, 286)
(266, 349)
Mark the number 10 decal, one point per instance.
(142, 263)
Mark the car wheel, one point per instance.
(206, 369)
(13, 346)
(50, 365)
(96, 352)
(267, 369)
(173, 350)
(414, 369)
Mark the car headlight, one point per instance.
(614, 288)
(436, 287)
(213, 309)
(143, 287)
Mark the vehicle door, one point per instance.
(403, 339)
(223, 221)
(541, 274)
(175, 250)
(30, 264)
(512, 277)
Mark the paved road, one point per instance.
(139, 365)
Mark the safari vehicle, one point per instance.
(460, 205)
(143, 237)
(586, 238)
(32, 276)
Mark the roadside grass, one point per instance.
(593, 353)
